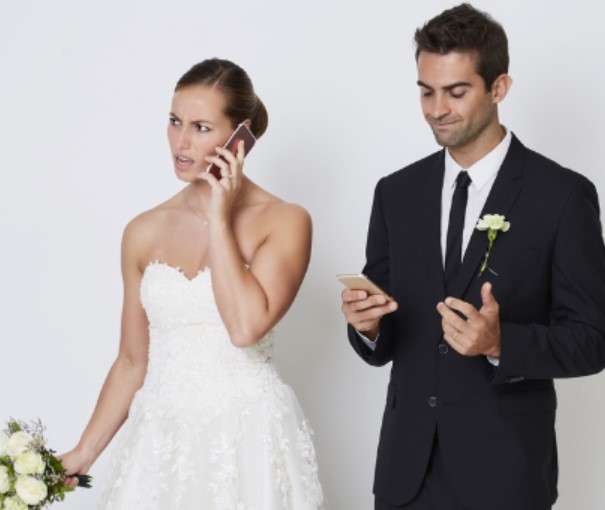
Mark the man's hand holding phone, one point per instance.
(364, 304)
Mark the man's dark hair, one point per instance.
(467, 30)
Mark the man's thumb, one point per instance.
(486, 294)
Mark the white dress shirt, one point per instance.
(483, 174)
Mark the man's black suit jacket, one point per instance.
(495, 424)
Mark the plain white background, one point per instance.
(85, 90)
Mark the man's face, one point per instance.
(454, 99)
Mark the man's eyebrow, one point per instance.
(447, 87)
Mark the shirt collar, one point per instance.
(483, 170)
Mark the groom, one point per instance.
(483, 320)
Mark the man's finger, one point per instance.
(370, 314)
(463, 307)
(451, 317)
(349, 295)
(373, 302)
(487, 297)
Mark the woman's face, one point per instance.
(196, 127)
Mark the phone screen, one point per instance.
(242, 132)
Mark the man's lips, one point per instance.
(440, 124)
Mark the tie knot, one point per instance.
(463, 179)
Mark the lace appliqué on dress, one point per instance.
(213, 425)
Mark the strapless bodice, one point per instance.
(190, 353)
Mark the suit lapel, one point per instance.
(501, 199)
(429, 211)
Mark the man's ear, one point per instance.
(500, 88)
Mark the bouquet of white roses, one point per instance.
(30, 475)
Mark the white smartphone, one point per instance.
(242, 132)
(360, 281)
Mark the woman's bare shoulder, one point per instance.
(143, 231)
(286, 214)
(274, 208)
(147, 222)
(285, 230)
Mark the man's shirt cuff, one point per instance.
(493, 361)
(367, 341)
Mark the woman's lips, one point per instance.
(183, 162)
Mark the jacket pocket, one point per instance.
(524, 400)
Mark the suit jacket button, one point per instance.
(432, 402)
(443, 348)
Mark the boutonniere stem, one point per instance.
(492, 224)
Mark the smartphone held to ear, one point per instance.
(361, 282)
(242, 132)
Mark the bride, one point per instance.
(206, 421)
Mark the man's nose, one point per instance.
(440, 106)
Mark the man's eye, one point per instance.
(457, 95)
(427, 93)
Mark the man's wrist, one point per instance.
(371, 344)
(371, 334)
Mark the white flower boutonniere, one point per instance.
(493, 223)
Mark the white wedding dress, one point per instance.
(213, 427)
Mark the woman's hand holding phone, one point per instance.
(242, 133)
(225, 173)
(224, 192)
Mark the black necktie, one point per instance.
(453, 252)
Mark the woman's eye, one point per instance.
(173, 121)
(202, 129)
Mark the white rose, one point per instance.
(3, 443)
(18, 443)
(30, 490)
(29, 463)
(14, 504)
(4, 480)
(493, 222)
